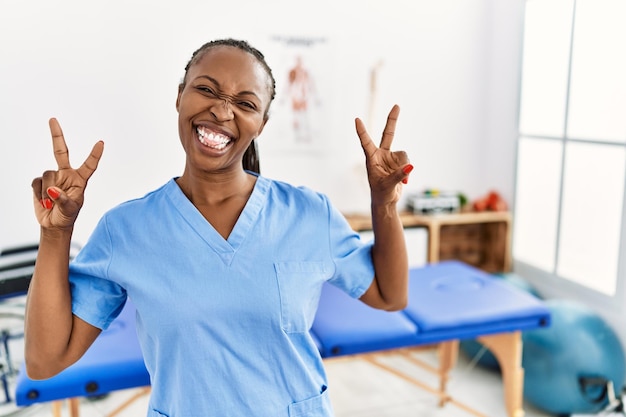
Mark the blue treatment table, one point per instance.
(113, 362)
(448, 301)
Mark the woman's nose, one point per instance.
(221, 110)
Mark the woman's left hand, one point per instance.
(386, 170)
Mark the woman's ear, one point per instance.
(181, 87)
(258, 133)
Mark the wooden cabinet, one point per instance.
(481, 239)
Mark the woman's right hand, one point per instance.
(58, 195)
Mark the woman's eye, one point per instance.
(207, 90)
(247, 105)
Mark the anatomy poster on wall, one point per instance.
(300, 110)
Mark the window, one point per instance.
(571, 161)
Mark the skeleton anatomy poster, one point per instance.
(300, 110)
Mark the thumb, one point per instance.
(63, 209)
(59, 198)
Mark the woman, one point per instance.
(224, 266)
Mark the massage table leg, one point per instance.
(73, 405)
(448, 356)
(372, 358)
(140, 393)
(56, 408)
(507, 348)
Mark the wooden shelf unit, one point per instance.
(481, 239)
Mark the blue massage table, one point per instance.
(448, 301)
(113, 362)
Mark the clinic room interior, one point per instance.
(512, 113)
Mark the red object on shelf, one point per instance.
(493, 201)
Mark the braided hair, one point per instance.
(251, 156)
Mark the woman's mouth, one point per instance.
(212, 139)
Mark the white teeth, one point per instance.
(212, 139)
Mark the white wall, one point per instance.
(109, 70)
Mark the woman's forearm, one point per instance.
(390, 257)
(48, 320)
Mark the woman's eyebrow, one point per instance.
(214, 81)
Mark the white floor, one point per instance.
(357, 387)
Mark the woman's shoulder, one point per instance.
(293, 193)
(139, 204)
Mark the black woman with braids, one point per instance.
(223, 265)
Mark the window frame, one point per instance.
(549, 283)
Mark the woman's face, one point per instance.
(222, 108)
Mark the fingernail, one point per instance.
(405, 181)
(53, 193)
(47, 203)
(42, 204)
(407, 169)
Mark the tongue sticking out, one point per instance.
(212, 139)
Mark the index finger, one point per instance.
(366, 142)
(390, 128)
(61, 154)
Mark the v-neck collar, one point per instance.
(224, 248)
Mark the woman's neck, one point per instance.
(220, 199)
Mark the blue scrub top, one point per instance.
(223, 324)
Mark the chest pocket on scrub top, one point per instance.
(299, 288)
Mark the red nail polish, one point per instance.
(42, 204)
(47, 203)
(407, 169)
(405, 181)
(53, 193)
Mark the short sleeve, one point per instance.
(354, 268)
(95, 298)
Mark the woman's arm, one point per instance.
(386, 171)
(54, 338)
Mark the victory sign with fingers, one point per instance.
(58, 195)
(385, 169)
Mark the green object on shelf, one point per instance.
(462, 199)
